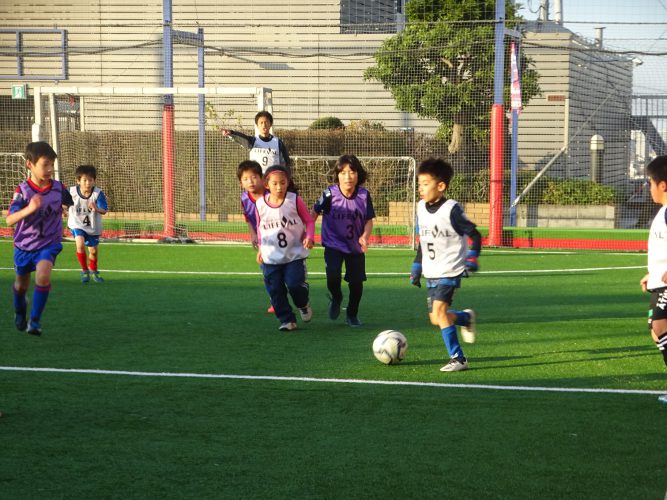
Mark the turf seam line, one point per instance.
(276, 378)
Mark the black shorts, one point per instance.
(658, 308)
(443, 293)
(355, 264)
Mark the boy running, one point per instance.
(36, 210)
(443, 257)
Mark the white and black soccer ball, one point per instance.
(389, 347)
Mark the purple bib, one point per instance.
(344, 223)
(45, 226)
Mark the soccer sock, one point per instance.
(81, 257)
(19, 301)
(356, 290)
(462, 318)
(93, 265)
(39, 297)
(452, 342)
(662, 346)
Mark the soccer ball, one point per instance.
(389, 347)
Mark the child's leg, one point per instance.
(20, 288)
(81, 252)
(658, 321)
(659, 334)
(42, 288)
(93, 257)
(355, 275)
(274, 281)
(295, 279)
(440, 318)
(333, 261)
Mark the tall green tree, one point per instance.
(441, 66)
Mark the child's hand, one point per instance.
(363, 243)
(254, 241)
(471, 261)
(259, 259)
(92, 206)
(644, 282)
(308, 243)
(416, 274)
(35, 203)
(226, 132)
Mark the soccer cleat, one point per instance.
(455, 365)
(334, 308)
(34, 328)
(353, 321)
(287, 327)
(271, 310)
(85, 276)
(306, 313)
(97, 278)
(663, 399)
(20, 321)
(469, 332)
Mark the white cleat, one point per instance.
(455, 365)
(306, 313)
(469, 333)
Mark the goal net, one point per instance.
(166, 169)
(168, 172)
(12, 172)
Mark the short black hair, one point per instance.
(438, 168)
(88, 170)
(264, 114)
(657, 169)
(248, 166)
(35, 150)
(354, 164)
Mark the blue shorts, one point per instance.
(89, 239)
(441, 289)
(26, 262)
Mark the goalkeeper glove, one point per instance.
(471, 261)
(416, 274)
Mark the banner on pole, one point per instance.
(515, 96)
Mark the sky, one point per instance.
(637, 25)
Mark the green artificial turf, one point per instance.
(561, 321)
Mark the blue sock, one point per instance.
(19, 301)
(462, 318)
(39, 298)
(452, 342)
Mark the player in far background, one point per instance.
(264, 148)
(85, 220)
(655, 281)
(249, 173)
(347, 223)
(286, 232)
(443, 257)
(37, 211)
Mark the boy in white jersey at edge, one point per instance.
(286, 233)
(85, 220)
(264, 148)
(655, 281)
(443, 257)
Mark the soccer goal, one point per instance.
(12, 172)
(166, 169)
(391, 183)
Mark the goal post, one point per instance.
(155, 160)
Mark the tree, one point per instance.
(441, 66)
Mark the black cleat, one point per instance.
(20, 321)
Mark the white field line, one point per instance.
(321, 273)
(331, 380)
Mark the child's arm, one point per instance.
(644, 282)
(100, 206)
(303, 212)
(244, 140)
(253, 234)
(323, 205)
(463, 225)
(18, 210)
(366, 235)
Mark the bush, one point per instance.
(577, 192)
(327, 122)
